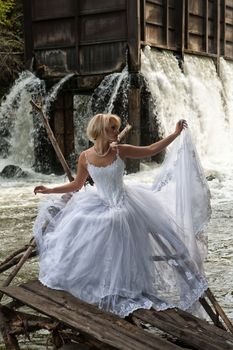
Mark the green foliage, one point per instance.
(6, 7)
(11, 40)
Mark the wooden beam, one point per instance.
(219, 310)
(217, 27)
(166, 21)
(134, 112)
(206, 36)
(133, 34)
(186, 24)
(190, 330)
(87, 319)
(143, 20)
(224, 26)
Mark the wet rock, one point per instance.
(13, 171)
(210, 177)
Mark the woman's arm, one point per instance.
(129, 151)
(73, 186)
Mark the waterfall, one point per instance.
(53, 92)
(111, 96)
(17, 139)
(198, 95)
(20, 125)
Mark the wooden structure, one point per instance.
(93, 38)
(86, 324)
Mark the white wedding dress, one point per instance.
(124, 247)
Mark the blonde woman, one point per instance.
(123, 247)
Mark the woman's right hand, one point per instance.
(42, 189)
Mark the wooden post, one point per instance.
(206, 36)
(217, 33)
(134, 32)
(132, 165)
(186, 24)
(166, 22)
(53, 140)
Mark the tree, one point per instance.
(6, 8)
(11, 40)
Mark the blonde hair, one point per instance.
(98, 124)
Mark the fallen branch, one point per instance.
(15, 259)
(15, 253)
(21, 262)
(53, 140)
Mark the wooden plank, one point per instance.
(53, 8)
(143, 19)
(28, 30)
(133, 34)
(206, 26)
(166, 22)
(189, 330)
(207, 327)
(224, 27)
(102, 27)
(86, 318)
(187, 46)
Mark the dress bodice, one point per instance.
(109, 181)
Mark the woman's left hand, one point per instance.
(182, 124)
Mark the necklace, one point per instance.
(100, 154)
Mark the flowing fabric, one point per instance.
(123, 247)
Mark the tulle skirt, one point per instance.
(119, 258)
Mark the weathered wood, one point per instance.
(53, 140)
(134, 118)
(133, 34)
(124, 132)
(219, 310)
(11, 256)
(207, 327)
(210, 312)
(15, 260)
(19, 265)
(191, 330)
(86, 318)
(10, 341)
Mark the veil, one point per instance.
(182, 188)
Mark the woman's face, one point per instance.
(112, 131)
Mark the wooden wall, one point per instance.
(196, 26)
(85, 36)
(92, 37)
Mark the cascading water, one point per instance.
(17, 139)
(198, 95)
(105, 99)
(205, 99)
(21, 129)
(53, 92)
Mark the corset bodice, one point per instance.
(109, 181)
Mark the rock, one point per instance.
(210, 177)
(13, 171)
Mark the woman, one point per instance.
(124, 247)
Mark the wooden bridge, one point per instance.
(86, 324)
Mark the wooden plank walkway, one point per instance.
(118, 333)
